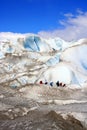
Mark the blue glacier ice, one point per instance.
(10, 50)
(30, 44)
(34, 43)
(54, 60)
(58, 44)
(1, 55)
(84, 64)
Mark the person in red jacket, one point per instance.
(41, 82)
(60, 84)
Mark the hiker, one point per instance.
(41, 82)
(64, 85)
(57, 83)
(51, 83)
(46, 83)
(60, 84)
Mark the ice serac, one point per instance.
(76, 58)
(35, 43)
(53, 60)
(61, 72)
(58, 43)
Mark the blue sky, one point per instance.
(35, 16)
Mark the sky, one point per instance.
(66, 19)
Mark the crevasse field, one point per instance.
(25, 104)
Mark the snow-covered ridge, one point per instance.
(28, 58)
(32, 42)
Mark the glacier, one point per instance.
(31, 58)
(27, 59)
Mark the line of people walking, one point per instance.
(58, 84)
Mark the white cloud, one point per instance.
(69, 15)
(75, 27)
(80, 11)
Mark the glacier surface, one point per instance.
(27, 58)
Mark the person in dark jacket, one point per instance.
(46, 83)
(57, 83)
(60, 84)
(51, 83)
(64, 85)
